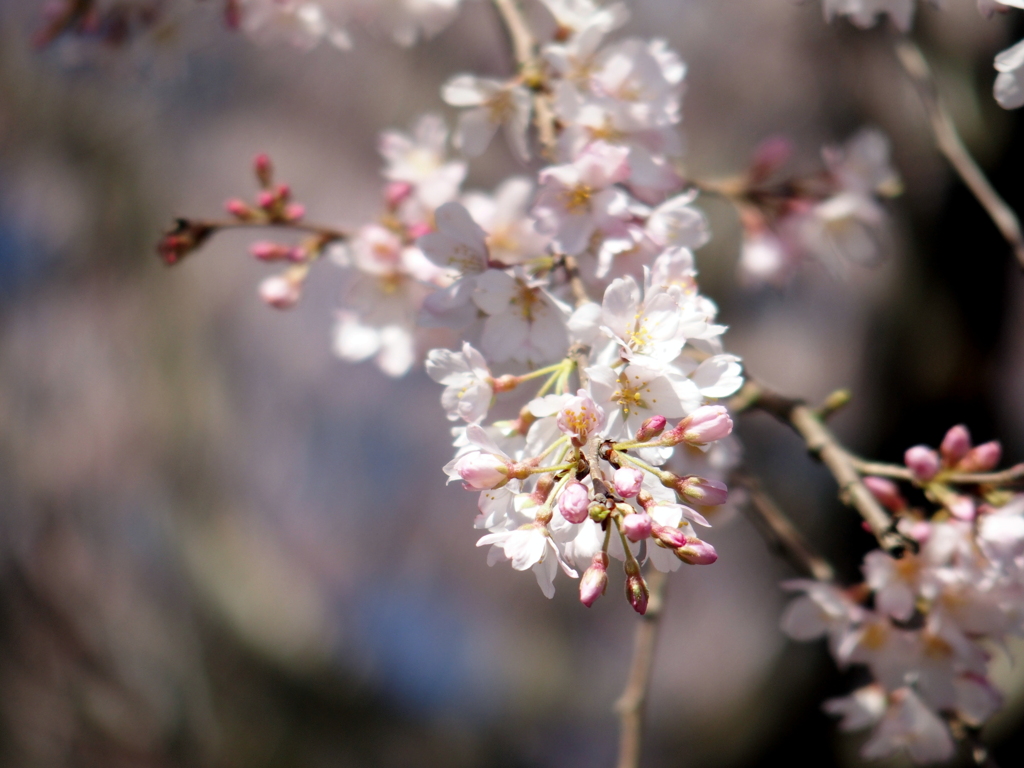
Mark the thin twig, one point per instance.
(632, 704)
(190, 234)
(1008, 476)
(531, 68)
(951, 145)
(572, 271)
(779, 532)
(823, 445)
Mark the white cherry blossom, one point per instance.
(491, 104)
(469, 386)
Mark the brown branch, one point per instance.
(779, 532)
(632, 704)
(824, 446)
(951, 145)
(531, 68)
(572, 272)
(189, 235)
(1008, 476)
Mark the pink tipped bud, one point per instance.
(637, 526)
(574, 503)
(264, 169)
(887, 493)
(280, 292)
(628, 481)
(769, 156)
(283, 193)
(396, 193)
(961, 507)
(482, 471)
(266, 200)
(266, 251)
(922, 461)
(982, 458)
(708, 493)
(418, 230)
(705, 425)
(696, 552)
(594, 581)
(239, 209)
(955, 445)
(294, 211)
(651, 428)
(637, 592)
(669, 537)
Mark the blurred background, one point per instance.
(206, 558)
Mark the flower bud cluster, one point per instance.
(923, 624)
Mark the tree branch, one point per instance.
(531, 67)
(632, 704)
(824, 446)
(190, 234)
(951, 145)
(779, 532)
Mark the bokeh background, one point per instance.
(221, 546)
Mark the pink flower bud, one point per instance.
(266, 251)
(960, 507)
(708, 493)
(673, 538)
(769, 156)
(637, 526)
(651, 428)
(922, 461)
(294, 211)
(280, 292)
(696, 552)
(637, 592)
(705, 425)
(238, 209)
(574, 503)
(396, 193)
(418, 230)
(266, 200)
(982, 458)
(628, 481)
(594, 581)
(887, 493)
(955, 445)
(264, 169)
(482, 471)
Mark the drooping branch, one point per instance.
(948, 140)
(779, 532)
(632, 704)
(1010, 476)
(823, 445)
(188, 235)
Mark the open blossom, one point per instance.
(491, 104)
(580, 417)
(458, 245)
(303, 23)
(469, 386)
(908, 724)
(420, 159)
(579, 199)
(524, 321)
(511, 235)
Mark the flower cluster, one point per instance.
(922, 624)
(834, 216)
(1009, 85)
